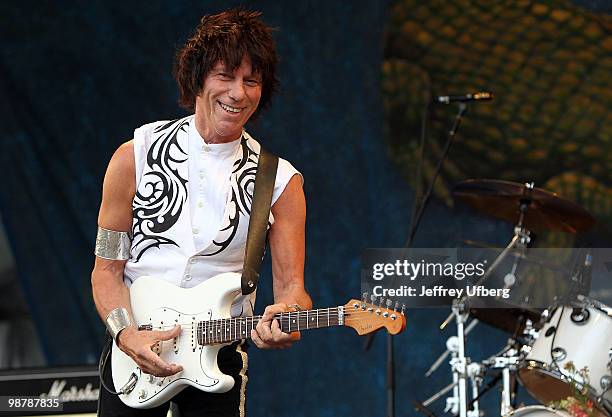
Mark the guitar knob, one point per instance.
(151, 379)
(142, 394)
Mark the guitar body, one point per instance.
(163, 305)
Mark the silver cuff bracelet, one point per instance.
(117, 320)
(112, 245)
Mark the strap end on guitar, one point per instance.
(249, 281)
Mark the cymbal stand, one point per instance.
(459, 361)
(456, 404)
(521, 238)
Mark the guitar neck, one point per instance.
(212, 332)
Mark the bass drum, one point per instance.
(538, 411)
(581, 335)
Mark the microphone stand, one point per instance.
(451, 136)
(416, 220)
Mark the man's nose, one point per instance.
(237, 91)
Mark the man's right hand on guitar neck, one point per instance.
(138, 345)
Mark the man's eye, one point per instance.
(252, 83)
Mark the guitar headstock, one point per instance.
(367, 317)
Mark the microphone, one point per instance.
(479, 96)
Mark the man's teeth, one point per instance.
(229, 108)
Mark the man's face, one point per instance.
(227, 101)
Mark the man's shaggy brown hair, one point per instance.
(226, 37)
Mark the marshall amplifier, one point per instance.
(77, 389)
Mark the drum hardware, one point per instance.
(605, 383)
(558, 354)
(457, 403)
(451, 346)
(419, 406)
(580, 315)
(538, 411)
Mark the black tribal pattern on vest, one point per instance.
(161, 197)
(239, 204)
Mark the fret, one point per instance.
(328, 317)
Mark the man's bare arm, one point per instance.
(287, 244)
(109, 291)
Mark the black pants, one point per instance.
(191, 402)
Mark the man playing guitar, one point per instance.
(176, 205)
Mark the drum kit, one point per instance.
(562, 354)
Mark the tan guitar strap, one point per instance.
(258, 225)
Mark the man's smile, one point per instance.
(230, 109)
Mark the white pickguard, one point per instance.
(161, 304)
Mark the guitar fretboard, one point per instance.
(210, 332)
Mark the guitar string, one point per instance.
(221, 334)
(234, 327)
(232, 321)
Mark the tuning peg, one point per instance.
(373, 298)
(389, 302)
(380, 301)
(403, 308)
(396, 306)
(365, 297)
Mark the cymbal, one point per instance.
(502, 199)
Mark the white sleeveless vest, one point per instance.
(163, 242)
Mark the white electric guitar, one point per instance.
(206, 325)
